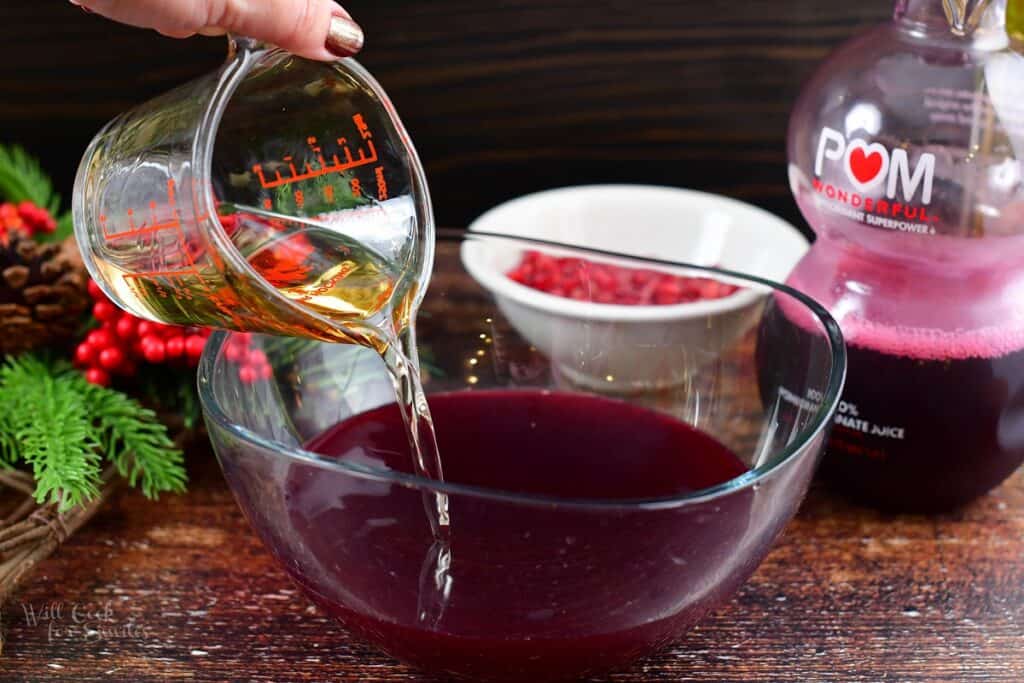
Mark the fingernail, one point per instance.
(344, 37)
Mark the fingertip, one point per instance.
(344, 36)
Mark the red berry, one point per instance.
(194, 345)
(154, 349)
(265, 371)
(126, 326)
(100, 339)
(164, 331)
(145, 328)
(174, 346)
(150, 339)
(97, 376)
(247, 374)
(85, 354)
(95, 292)
(235, 353)
(111, 358)
(256, 357)
(105, 312)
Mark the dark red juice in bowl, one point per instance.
(587, 528)
(534, 595)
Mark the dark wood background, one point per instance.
(502, 97)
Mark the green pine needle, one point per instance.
(22, 178)
(136, 442)
(47, 428)
(61, 426)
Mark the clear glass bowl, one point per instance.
(584, 535)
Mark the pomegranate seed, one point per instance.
(111, 358)
(97, 376)
(603, 283)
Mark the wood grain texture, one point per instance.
(501, 98)
(847, 595)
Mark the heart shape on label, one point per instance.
(865, 167)
(866, 164)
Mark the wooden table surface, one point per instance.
(183, 590)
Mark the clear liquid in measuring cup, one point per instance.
(317, 265)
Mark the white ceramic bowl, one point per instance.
(624, 348)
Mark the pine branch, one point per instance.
(136, 442)
(22, 178)
(55, 421)
(48, 429)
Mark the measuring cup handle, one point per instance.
(237, 43)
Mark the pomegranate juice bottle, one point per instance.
(905, 157)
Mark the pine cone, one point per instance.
(42, 293)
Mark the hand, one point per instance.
(317, 29)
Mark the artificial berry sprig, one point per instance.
(26, 218)
(253, 365)
(122, 341)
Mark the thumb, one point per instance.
(317, 29)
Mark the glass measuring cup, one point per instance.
(278, 195)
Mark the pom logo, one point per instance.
(868, 165)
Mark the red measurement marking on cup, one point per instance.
(132, 225)
(361, 157)
(183, 282)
